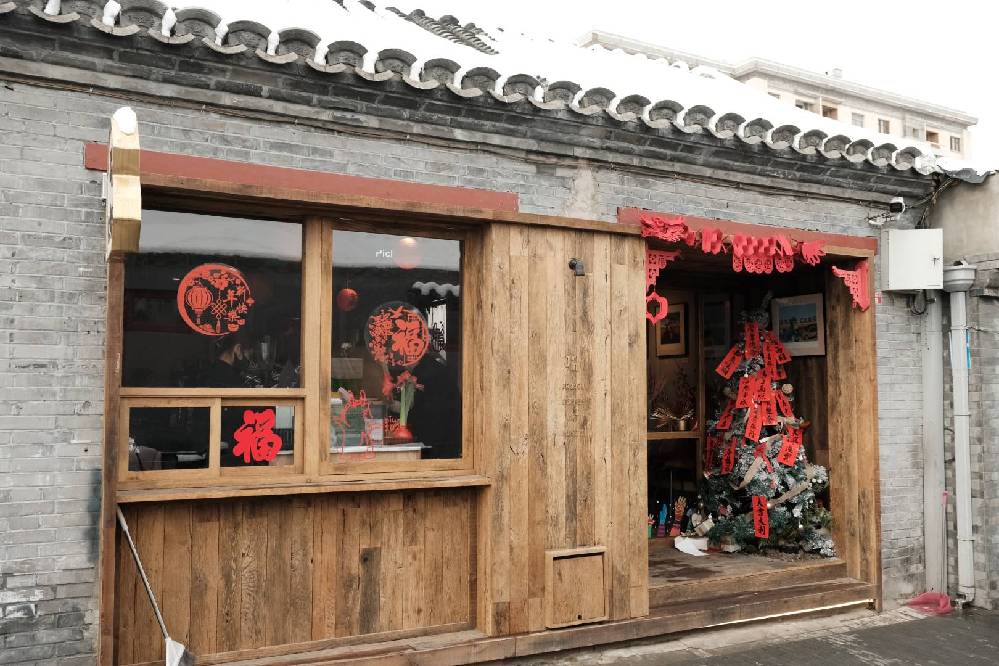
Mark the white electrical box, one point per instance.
(911, 259)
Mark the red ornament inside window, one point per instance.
(213, 299)
(397, 335)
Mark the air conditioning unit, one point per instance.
(911, 259)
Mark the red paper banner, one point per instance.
(747, 388)
(728, 459)
(763, 390)
(774, 341)
(754, 423)
(712, 442)
(789, 448)
(725, 420)
(761, 517)
(751, 332)
(783, 404)
(780, 374)
(730, 363)
(769, 409)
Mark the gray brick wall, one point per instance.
(51, 329)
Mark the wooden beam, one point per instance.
(124, 195)
(833, 244)
(285, 178)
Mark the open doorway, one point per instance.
(708, 304)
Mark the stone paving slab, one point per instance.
(901, 637)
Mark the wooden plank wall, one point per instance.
(808, 376)
(852, 416)
(246, 573)
(561, 389)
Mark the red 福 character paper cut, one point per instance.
(663, 307)
(256, 439)
(725, 420)
(761, 517)
(362, 405)
(728, 458)
(730, 363)
(857, 281)
(397, 335)
(790, 447)
(214, 299)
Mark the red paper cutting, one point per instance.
(857, 281)
(655, 261)
(670, 229)
(663, 310)
(213, 299)
(730, 363)
(397, 335)
(761, 517)
(256, 439)
(811, 252)
(711, 241)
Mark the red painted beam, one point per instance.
(861, 243)
(245, 173)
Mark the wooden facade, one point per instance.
(551, 486)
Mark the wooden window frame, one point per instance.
(314, 462)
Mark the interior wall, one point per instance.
(561, 389)
(254, 572)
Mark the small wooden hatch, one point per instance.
(575, 586)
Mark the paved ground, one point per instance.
(901, 637)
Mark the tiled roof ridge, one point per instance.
(127, 18)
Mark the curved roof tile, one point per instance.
(383, 43)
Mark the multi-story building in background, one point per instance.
(827, 94)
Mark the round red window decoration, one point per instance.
(397, 334)
(213, 299)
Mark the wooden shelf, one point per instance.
(678, 434)
(298, 487)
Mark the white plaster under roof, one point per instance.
(654, 91)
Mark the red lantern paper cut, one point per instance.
(397, 334)
(663, 310)
(256, 439)
(346, 299)
(213, 299)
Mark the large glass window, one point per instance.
(213, 302)
(396, 367)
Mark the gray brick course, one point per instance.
(51, 320)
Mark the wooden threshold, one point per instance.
(299, 488)
(468, 647)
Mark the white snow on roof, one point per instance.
(625, 74)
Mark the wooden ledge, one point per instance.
(301, 488)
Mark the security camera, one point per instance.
(896, 206)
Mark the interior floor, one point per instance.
(675, 576)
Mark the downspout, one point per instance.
(934, 475)
(957, 280)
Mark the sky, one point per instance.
(935, 51)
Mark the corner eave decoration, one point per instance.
(857, 281)
(123, 213)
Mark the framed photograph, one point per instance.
(716, 312)
(671, 332)
(800, 324)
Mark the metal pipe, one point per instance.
(934, 476)
(957, 280)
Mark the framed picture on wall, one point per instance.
(800, 324)
(717, 325)
(671, 332)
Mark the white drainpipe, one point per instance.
(934, 475)
(957, 280)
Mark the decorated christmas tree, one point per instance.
(760, 485)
